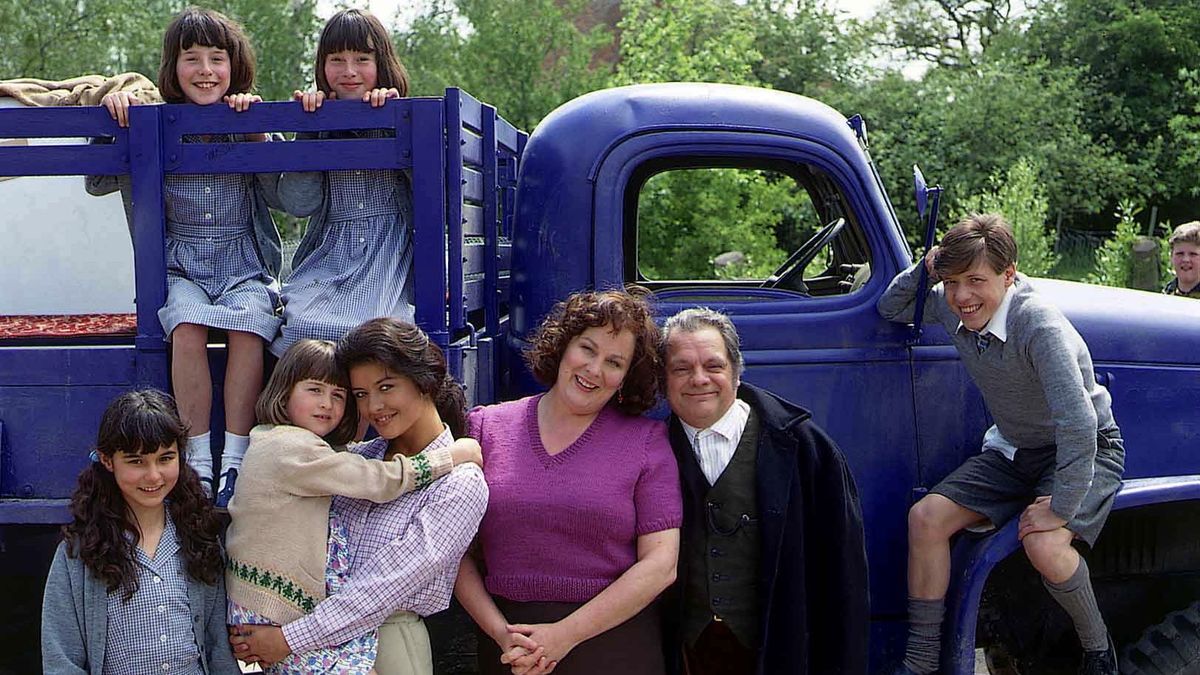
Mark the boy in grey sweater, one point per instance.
(1054, 455)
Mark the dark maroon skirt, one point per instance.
(632, 648)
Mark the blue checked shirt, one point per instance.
(152, 632)
(405, 553)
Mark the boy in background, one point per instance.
(1185, 260)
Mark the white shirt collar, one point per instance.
(730, 425)
(998, 324)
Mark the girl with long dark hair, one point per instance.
(136, 585)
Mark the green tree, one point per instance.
(61, 39)
(687, 218)
(1130, 53)
(1018, 196)
(526, 58)
(1185, 127)
(947, 33)
(805, 47)
(1114, 260)
(687, 41)
(963, 125)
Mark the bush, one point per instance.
(1018, 196)
(1114, 260)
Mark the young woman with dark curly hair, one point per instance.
(137, 584)
(582, 528)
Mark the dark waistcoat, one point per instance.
(723, 556)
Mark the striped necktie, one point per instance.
(982, 340)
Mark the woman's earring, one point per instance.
(620, 396)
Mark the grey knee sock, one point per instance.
(1076, 596)
(924, 634)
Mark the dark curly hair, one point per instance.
(407, 351)
(618, 309)
(139, 422)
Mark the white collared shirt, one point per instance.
(714, 446)
(997, 326)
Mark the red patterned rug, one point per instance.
(42, 325)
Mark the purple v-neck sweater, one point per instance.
(561, 528)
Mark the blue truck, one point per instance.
(507, 224)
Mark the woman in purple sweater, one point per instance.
(581, 532)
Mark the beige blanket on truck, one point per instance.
(83, 90)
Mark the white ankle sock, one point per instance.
(200, 454)
(235, 450)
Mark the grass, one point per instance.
(1075, 263)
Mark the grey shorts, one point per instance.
(991, 485)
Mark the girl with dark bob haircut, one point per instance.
(222, 244)
(618, 309)
(358, 31)
(205, 27)
(141, 548)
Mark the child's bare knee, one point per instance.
(1044, 548)
(189, 336)
(926, 522)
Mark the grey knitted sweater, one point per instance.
(1038, 385)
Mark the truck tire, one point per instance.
(1168, 648)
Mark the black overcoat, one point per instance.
(813, 565)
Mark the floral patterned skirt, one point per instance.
(355, 657)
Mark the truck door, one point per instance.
(795, 242)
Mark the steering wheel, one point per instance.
(805, 254)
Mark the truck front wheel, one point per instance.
(1168, 648)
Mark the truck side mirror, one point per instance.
(920, 190)
(928, 201)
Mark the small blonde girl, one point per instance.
(287, 549)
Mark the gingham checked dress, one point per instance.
(215, 274)
(361, 268)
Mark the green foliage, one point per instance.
(1114, 260)
(1017, 195)
(805, 47)
(1185, 127)
(526, 58)
(1130, 52)
(284, 35)
(60, 39)
(951, 33)
(686, 40)
(964, 125)
(686, 218)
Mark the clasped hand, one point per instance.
(535, 649)
(263, 644)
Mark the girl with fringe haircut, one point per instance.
(136, 585)
(222, 248)
(355, 260)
